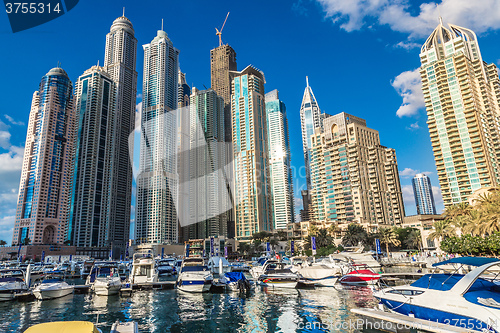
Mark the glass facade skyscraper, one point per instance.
(280, 174)
(461, 94)
(43, 204)
(424, 199)
(93, 189)
(250, 151)
(157, 182)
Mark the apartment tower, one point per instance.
(157, 183)
(424, 199)
(461, 94)
(43, 205)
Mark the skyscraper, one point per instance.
(310, 119)
(94, 189)
(208, 200)
(157, 183)
(354, 178)
(183, 92)
(44, 199)
(280, 174)
(222, 62)
(249, 130)
(119, 62)
(424, 199)
(461, 97)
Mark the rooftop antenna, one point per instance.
(123, 12)
(161, 24)
(219, 33)
(307, 81)
(439, 13)
(58, 64)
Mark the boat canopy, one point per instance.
(235, 276)
(471, 261)
(64, 326)
(194, 269)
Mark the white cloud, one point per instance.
(406, 45)
(138, 115)
(12, 121)
(7, 228)
(408, 172)
(4, 139)
(408, 197)
(438, 198)
(414, 126)
(408, 85)
(352, 15)
(297, 201)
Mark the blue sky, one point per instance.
(361, 57)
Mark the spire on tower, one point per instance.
(161, 24)
(123, 12)
(307, 81)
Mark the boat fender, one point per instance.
(381, 306)
(411, 314)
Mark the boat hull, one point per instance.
(278, 282)
(106, 291)
(325, 282)
(194, 286)
(42, 294)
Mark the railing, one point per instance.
(415, 259)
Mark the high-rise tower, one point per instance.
(251, 172)
(119, 62)
(461, 94)
(94, 189)
(310, 119)
(280, 174)
(46, 180)
(424, 199)
(157, 183)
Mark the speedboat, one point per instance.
(277, 275)
(166, 266)
(143, 268)
(52, 288)
(12, 281)
(319, 275)
(235, 281)
(258, 269)
(469, 301)
(194, 276)
(64, 326)
(105, 280)
(360, 275)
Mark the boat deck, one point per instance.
(404, 323)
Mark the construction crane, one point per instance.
(219, 33)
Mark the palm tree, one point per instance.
(388, 236)
(2, 243)
(273, 242)
(413, 239)
(442, 229)
(354, 235)
(323, 239)
(334, 230)
(474, 222)
(461, 223)
(313, 230)
(462, 208)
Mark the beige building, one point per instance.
(354, 178)
(425, 224)
(461, 94)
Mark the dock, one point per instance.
(395, 322)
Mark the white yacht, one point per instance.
(52, 288)
(143, 268)
(107, 281)
(11, 283)
(276, 275)
(258, 268)
(166, 266)
(469, 301)
(194, 276)
(214, 265)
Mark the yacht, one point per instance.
(451, 298)
(194, 276)
(12, 281)
(107, 281)
(166, 266)
(258, 268)
(360, 274)
(52, 288)
(214, 265)
(276, 275)
(319, 275)
(143, 268)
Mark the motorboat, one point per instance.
(469, 300)
(235, 281)
(143, 268)
(258, 268)
(64, 326)
(52, 288)
(360, 275)
(319, 275)
(12, 281)
(165, 266)
(107, 281)
(277, 275)
(239, 267)
(194, 276)
(214, 265)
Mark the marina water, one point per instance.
(261, 310)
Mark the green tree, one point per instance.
(354, 235)
(388, 236)
(323, 239)
(2, 243)
(334, 230)
(413, 239)
(442, 229)
(282, 235)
